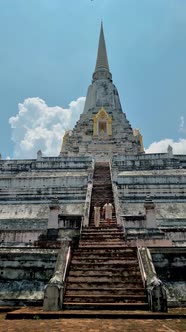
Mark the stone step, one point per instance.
(103, 222)
(98, 182)
(102, 284)
(104, 271)
(102, 218)
(104, 252)
(102, 176)
(111, 298)
(104, 187)
(113, 269)
(105, 255)
(93, 236)
(102, 184)
(105, 306)
(109, 276)
(111, 249)
(99, 230)
(101, 187)
(117, 312)
(105, 261)
(105, 291)
(102, 228)
(101, 198)
(105, 279)
(103, 225)
(98, 194)
(106, 193)
(105, 285)
(98, 189)
(101, 237)
(100, 244)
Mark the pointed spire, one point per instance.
(102, 66)
(102, 60)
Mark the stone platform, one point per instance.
(39, 313)
(93, 325)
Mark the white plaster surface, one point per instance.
(163, 210)
(39, 211)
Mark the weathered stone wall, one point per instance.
(46, 163)
(18, 224)
(20, 237)
(148, 161)
(37, 211)
(27, 188)
(170, 210)
(29, 181)
(66, 185)
(170, 265)
(24, 273)
(163, 177)
(176, 234)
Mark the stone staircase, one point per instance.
(104, 273)
(102, 190)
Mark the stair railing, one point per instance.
(81, 227)
(156, 293)
(54, 290)
(116, 197)
(68, 259)
(142, 270)
(88, 195)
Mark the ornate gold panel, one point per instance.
(102, 123)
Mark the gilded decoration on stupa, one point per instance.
(102, 123)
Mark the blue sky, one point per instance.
(47, 57)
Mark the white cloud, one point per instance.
(37, 126)
(182, 128)
(179, 147)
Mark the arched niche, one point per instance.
(102, 124)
